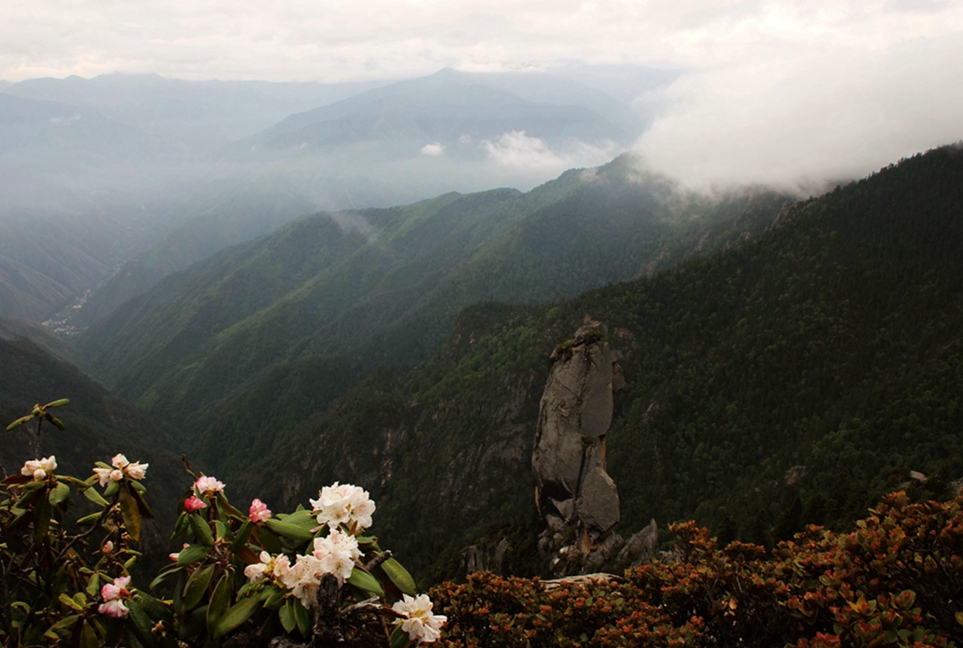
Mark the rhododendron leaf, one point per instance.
(142, 624)
(268, 540)
(366, 582)
(303, 619)
(236, 615)
(201, 530)
(20, 421)
(221, 530)
(60, 402)
(111, 489)
(69, 602)
(288, 620)
(240, 538)
(93, 585)
(64, 623)
(196, 585)
(399, 638)
(138, 495)
(399, 576)
(41, 519)
(88, 637)
(289, 530)
(191, 554)
(59, 493)
(131, 514)
(959, 617)
(95, 497)
(53, 419)
(227, 508)
(220, 601)
(275, 597)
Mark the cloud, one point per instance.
(517, 150)
(805, 119)
(434, 149)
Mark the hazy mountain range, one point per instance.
(176, 170)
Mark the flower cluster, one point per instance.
(416, 618)
(344, 504)
(114, 595)
(39, 468)
(334, 554)
(119, 468)
(259, 512)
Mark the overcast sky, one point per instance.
(774, 91)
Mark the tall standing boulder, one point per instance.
(572, 488)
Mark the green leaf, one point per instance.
(191, 554)
(137, 491)
(303, 619)
(88, 637)
(41, 519)
(288, 619)
(88, 519)
(60, 402)
(366, 582)
(400, 576)
(53, 419)
(65, 622)
(20, 421)
(95, 497)
(58, 493)
(240, 539)
(69, 602)
(220, 602)
(288, 530)
(221, 529)
(236, 615)
(196, 586)
(269, 541)
(399, 638)
(131, 514)
(201, 530)
(111, 489)
(142, 624)
(959, 617)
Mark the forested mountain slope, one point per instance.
(786, 380)
(97, 424)
(339, 294)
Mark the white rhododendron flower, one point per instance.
(114, 595)
(344, 504)
(207, 486)
(337, 553)
(417, 620)
(107, 475)
(260, 570)
(39, 468)
(136, 470)
(121, 467)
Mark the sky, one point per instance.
(789, 93)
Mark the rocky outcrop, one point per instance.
(574, 493)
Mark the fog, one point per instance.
(801, 123)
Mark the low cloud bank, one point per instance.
(817, 118)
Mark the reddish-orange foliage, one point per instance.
(895, 581)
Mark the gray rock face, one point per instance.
(572, 487)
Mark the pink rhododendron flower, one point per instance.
(344, 504)
(194, 503)
(114, 595)
(39, 468)
(259, 512)
(175, 556)
(417, 620)
(207, 486)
